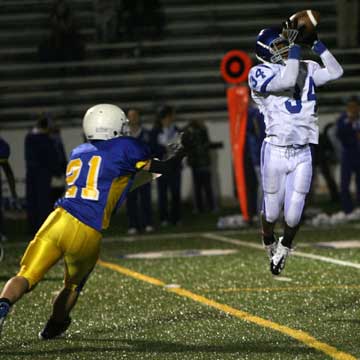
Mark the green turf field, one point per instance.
(198, 307)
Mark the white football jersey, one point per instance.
(290, 116)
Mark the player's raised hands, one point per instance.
(290, 30)
(301, 27)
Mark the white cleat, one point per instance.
(271, 249)
(278, 260)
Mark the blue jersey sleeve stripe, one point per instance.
(265, 84)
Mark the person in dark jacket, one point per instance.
(199, 160)
(41, 165)
(58, 182)
(138, 204)
(164, 132)
(255, 135)
(326, 159)
(5, 166)
(348, 132)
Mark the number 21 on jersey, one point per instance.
(73, 170)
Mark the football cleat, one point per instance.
(4, 310)
(271, 249)
(53, 329)
(278, 260)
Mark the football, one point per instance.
(306, 21)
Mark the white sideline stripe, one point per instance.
(295, 253)
(244, 231)
(155, 236)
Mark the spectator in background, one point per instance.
(106, 19)
(255, 135)
(64, 42)
(138, 205)
(5, 165)
(348, 132)
(326, 158)
(41, 165)
(164, 132)
(200, 162)
(58, 181)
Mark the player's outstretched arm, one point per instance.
(165, 167)
(332, 70)
(179, 150)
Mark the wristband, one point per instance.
(319, 47)
(294, 52)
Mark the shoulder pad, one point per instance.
(260, 76)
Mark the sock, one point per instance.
(5, 300)
(268, 239)
(5, 305)
(289, 234)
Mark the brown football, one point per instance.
(306, 21)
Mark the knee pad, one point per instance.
(295, 208)
(271, 207)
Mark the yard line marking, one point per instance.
(295, 253)
(287, 288)
(299, 335)
(131, 273)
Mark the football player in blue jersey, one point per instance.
(284, 88)
(99, 175)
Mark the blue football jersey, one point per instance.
(99, 175)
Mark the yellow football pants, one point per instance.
(62, 236)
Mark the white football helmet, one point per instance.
(104, 122)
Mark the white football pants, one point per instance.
(286, 174)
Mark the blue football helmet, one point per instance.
(271, 46)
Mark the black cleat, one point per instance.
(53, 329)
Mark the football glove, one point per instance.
(290, 30)
(175, 146)
(188, 140)
(184, 142)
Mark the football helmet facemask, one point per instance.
(104, 122)
(271, 46)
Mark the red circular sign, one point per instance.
(235, 66)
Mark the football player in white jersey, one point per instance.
(283, 87)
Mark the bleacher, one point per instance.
(182, 69)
